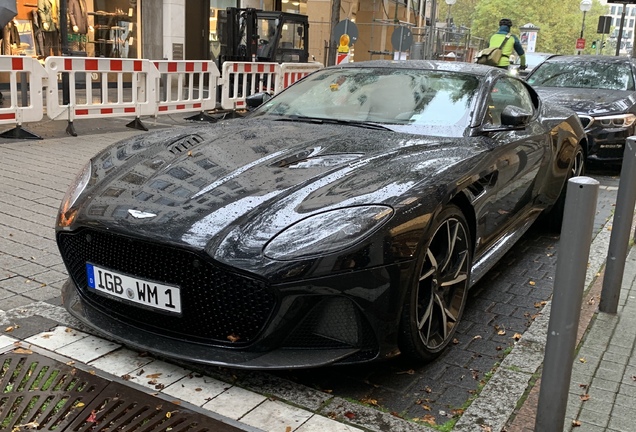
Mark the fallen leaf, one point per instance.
(425, 407)
(154, 375)
(408, 372)
(22, 351)
(634, 377)
(428, 419)
(455, 341)
(92, 418)
(517, 336)
(176, 402)
(46, 336)
(585, 397)
(9, 329)
(582, 360)
(288, 428)
(349, 415)
(576, 423)
(486, 428)
(126, 377)
(369, 401)
(477, 337)
(233, 338)
(501, 332)
(70, 363)
(198, 389)
(533, 283)
(427, 389)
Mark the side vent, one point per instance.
(184, 144)
(479, 187)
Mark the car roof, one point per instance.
(471, 68)
(589, 58)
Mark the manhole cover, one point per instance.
(38, 393)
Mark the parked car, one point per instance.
(601, 90)
(342, 221)
(533, 59)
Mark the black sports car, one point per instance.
(342, 221)
(602, 91)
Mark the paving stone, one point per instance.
(24, 328)
(276, 416)
(158, 374)
(196, 389)
(121, 362)
(322, 424)
(235, 402)
(6, 342)
(57, 338)
(87, 349)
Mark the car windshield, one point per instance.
(408, 100)
(588, 74)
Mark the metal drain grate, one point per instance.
(37, 392)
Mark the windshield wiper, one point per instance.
(321, 120)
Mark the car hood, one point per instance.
(592, 102)
(248, 179)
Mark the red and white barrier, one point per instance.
(292, 72)
(101, 87)
(184, 86)
(105, 87)
(24, 102)
(242, 79)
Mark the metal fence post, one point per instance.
(621, 228)
(569, 281)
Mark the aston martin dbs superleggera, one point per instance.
(341, 221)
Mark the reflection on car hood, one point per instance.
(587, 101)
(194, 184)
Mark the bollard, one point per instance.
(621, 227)
(567, 296)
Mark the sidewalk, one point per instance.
(34, 177)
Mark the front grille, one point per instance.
(218, 306)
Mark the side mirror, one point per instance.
(515, 116)
(257, 99)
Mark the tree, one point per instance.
(559, 21)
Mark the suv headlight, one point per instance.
(327, 232)
(620, 120)
(67, 212)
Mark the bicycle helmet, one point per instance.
(505, 22)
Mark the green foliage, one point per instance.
(559, 21)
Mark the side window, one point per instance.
(507, 92)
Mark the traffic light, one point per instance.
(594, 44)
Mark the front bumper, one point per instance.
(607, 145)
(348, 317)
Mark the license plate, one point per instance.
(140, 291)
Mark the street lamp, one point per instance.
(452, 2)
(585, 6)
(448, 19)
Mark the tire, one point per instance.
(435, 301)
(554, 217)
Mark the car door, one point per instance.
(517, 155)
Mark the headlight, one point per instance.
(327, 232)
(67, 213)
(621, 120)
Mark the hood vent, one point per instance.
(184, 144)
